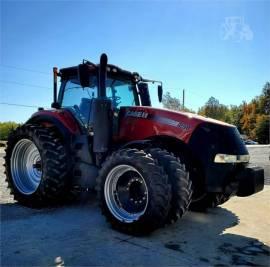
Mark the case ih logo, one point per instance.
(137, 114)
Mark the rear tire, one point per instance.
(36, 166)
(180, 183)
(140, 198)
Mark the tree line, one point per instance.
(5, 128)
(252, 119)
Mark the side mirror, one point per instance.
(83, 75)
(144, 94)
(160, 93)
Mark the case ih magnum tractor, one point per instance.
(148, 165)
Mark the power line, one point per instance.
(25, 84)
(18, 105)
(25, 69)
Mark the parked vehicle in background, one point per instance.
(250, 142)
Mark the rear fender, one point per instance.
(84, 171)
(63, 121)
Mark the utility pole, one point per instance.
(183, 99)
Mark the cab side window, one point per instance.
(79, 99)
(74, 93)
(121, 93)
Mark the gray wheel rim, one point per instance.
(112, 195)
(26, 169)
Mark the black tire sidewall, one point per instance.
(43, 195)
(179, 179)
(149, 220)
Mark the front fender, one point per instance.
(139, 144)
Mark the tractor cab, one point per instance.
(82, 85)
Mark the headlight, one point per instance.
(225, 158)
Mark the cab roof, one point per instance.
(112, 71)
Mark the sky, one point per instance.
(208, 48)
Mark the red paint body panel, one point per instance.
(64, 117)
(137, 123)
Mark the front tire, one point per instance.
(180, 182)
(36, 166)
(133, 191)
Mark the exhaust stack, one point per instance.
(102, 114)
(55, 104)
(102, 75)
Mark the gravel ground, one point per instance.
(237, 233)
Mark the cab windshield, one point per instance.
(122, 93)
(78, 99)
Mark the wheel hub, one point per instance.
(136, 191)
(26, 166)
(37, 165)
(126, 193)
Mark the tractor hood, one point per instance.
(144, 122)
(190, 116)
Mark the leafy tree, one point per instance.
(234, 115)
(173, 103)
(249, 119)
(261, 130)
(170, 102)
(213, 109)
(5, 128)
(264, 99)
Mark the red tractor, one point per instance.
(148, 165)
